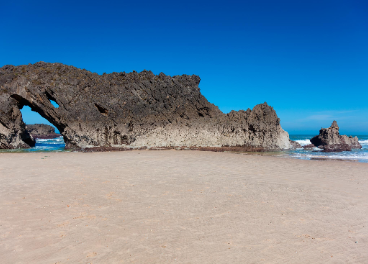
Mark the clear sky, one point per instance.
(307, 59)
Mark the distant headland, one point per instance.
(42, 131)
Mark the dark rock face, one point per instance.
(42, 131)
(309, 146)
(330, 140)
(127, 110)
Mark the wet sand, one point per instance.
(181, 207)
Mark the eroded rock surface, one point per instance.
(309, 147)
(330, 140)
(295, 145)
(128, 110)
(42, 131)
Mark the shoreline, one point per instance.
(278, 154)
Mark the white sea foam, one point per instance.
(59, 140)
(360, 157)
(303, 142)
(363, 142)
(42, 140)
(49, 144)
(53, 143)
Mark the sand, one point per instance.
(181, 207)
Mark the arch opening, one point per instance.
(52, 100)
(48, 134)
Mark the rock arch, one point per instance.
(127, 110)
(21, 102)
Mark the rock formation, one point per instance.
(127, 110)
(309, 147)
(42, 131)
(295, 145)
(330, 140)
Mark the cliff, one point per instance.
(330, 140)
(127, 110)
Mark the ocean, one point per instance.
(361, 155)
(43, 145)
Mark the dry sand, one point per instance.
(181, 207)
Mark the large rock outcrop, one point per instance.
(127, 110)
(330, 140)
(42, 131)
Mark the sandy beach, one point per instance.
(181, 207)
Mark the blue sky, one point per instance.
(307, 59)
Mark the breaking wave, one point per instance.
(360, 155)
(364, 142)
(53, 144)
(303, 142)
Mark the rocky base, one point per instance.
(336, 148)
(309, 147)
(213, 149)
(295, 145)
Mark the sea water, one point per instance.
(43, 145)
(54, 144)
(360, 155)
